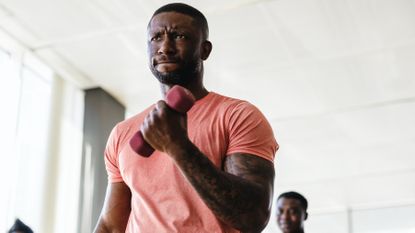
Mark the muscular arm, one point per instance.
(116, 210)
(240, 194)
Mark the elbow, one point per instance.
(261, 222)
(258, 217)
(256, 221)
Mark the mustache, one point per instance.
(165, 59)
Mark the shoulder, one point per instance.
(231, 104)
(236, 108)
(228, 110)
(249, 130)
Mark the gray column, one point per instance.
(101, 114)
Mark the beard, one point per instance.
(181, 76)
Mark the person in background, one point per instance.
(20, 227)
(291, 212)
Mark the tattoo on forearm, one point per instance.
(237, 195)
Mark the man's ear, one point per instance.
(305, 216)
(206, 49)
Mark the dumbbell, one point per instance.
(179, 99)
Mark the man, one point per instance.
(291, 212)
(212, 170)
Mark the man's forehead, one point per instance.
(171, 19)
(288, 202)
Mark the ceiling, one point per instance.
(334, 77)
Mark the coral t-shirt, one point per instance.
(162, 199)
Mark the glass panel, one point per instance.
(33, 130)
(9, 102)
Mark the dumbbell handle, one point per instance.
(179, 99)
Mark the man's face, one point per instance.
(290, 215)
(174, 47)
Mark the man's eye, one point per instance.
(294, 211)
(155, 38)
(179, 36)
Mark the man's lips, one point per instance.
(166, 62)
(166, 65)
(285, 225)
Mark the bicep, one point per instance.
(253, 169)
(116, 209)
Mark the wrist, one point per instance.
(180, 149)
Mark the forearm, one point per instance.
(241, 203)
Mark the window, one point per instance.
(9, 102)
(41, 141)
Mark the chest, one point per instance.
(209, 135)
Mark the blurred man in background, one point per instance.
(291, 212)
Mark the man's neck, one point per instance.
(295, 231)
(299, 231)
(198, 91)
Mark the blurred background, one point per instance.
(335, 78)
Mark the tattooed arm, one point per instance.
(240, 195)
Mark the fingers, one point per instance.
(161, 105)
(158, 112)
(154, 119)
(162, 126)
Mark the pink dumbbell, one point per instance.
(179, 99)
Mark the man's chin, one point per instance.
(286, 228)
(177, 77)
(170, 78)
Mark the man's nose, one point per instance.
(283, 215)
(167, 46)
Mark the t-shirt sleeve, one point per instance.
(250, 132)
(111, 157)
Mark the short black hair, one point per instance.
(186, 10)
(20, 226)
(295, 195)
